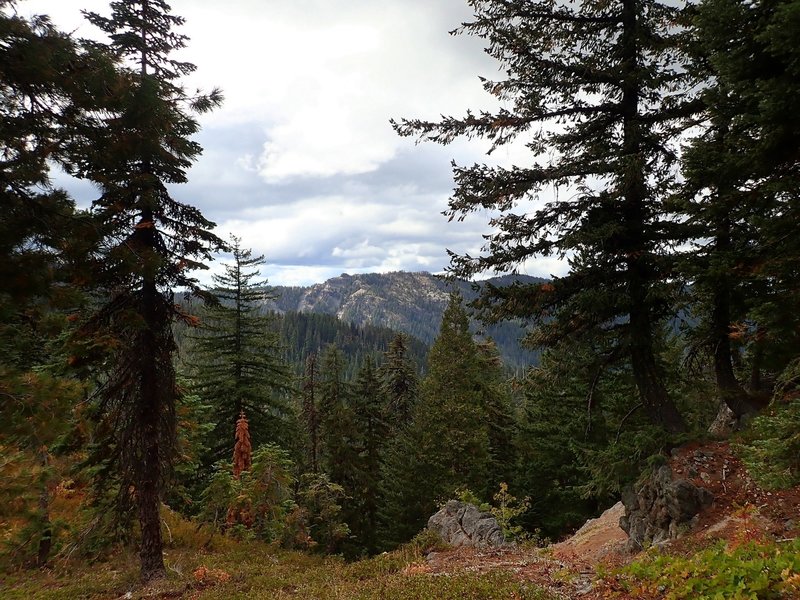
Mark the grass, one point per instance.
(237, 570)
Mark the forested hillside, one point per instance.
(410, 303)
(143, 409)
(302, 334)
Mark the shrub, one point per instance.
(770, 448)
(753, 570)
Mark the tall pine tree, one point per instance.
(597, 92)
(236, 357)
(149, 245)
(446, 444)
(399, 382)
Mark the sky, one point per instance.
(301, 161)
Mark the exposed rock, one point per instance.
(462, 524)
(724, 423)
(660, 508)
(597, 539)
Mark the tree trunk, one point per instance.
(655, 399)
(731, 393)
(151, 400)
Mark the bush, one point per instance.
(770, 448)
(752, 570)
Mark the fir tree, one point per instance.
(597, 92)
(399, 382)
(310, 411)
(446, 445)
(235, 359)
(149, 244)
(500, 418)
(338, 452)
(369, 408)
(51, 88)
(741, 195)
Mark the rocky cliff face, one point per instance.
(411, 303)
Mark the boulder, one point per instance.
(660, 508)
(463, 524)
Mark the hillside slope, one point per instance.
(411, 303)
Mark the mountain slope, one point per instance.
(412, 303)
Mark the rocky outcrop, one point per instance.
(462, 524)
(661, 508)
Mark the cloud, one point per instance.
(301, 161)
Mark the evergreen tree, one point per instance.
(339, 452)
(369, 408)
(235, 358)
(310, 411)
(399, 382)
(742, 178)
(149, 244)
(446, 445)
(597, 92)
(500, 418)
(51, 86)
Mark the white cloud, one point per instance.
(301, 161)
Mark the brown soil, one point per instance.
(741, 510)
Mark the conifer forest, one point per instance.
(216, 435)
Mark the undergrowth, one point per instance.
(206, 566)
(750, 570)
(770, 447)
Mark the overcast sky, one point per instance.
(301, 162)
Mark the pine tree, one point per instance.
(399, 382)
(338, 453)
(50, 89)
(500, 418)
(310, 411)
(236, 357)
(446, 445)
(598, 94)
(149, 244)
(742, 178)
(369, 409)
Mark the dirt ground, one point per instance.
(568, 569)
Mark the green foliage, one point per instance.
(235, 362)
(320, 501)
(448, 438)
(770, 446)
(306, 333)
(257, 503)
(465, 494)
(507, 509)
(399, 382)
(747, 571)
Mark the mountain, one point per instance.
(411, 303)
(302, 333)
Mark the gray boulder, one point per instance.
(462, 524)
(661, 508)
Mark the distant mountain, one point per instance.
(411, 303)
(303, 333)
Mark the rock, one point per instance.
(462, 524)
(724, 423)
(660, 508)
